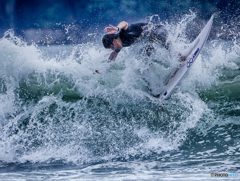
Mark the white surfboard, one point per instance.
(191, 54)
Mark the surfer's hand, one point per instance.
(111, 29)
(96, 71)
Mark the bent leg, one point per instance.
(160, 34)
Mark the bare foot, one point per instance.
(182, 58)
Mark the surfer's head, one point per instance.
(112, 41)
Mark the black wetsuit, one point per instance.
(134, 31)
(129, 35)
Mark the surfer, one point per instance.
(124, 35)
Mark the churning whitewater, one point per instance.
(54, 109)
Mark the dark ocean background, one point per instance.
(60, 121)
(70, 21)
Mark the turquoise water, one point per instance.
(59, 120)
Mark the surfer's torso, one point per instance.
(134, 31)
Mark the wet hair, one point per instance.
(107, 40)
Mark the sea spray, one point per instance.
(55, 109)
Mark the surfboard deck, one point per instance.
(191, 55)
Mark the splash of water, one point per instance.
(52, 106)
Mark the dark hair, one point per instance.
(107, 40)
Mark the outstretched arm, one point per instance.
(112, 29)
(113, 56)
(123, 25)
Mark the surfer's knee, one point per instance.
(148, 50)
(160, 34)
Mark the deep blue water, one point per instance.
(61, 121)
